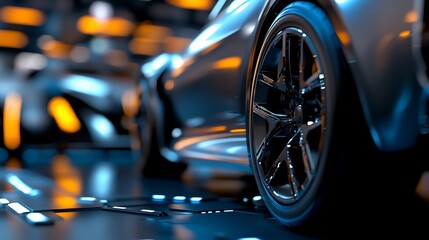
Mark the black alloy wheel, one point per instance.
(291, 105)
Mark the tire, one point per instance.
(151, 162)
(310, 149)
(291, 112)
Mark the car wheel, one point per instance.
(151, 162)
(310, 148)
(292, 104)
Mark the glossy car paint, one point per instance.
(382, 46)
(208, 99)
(206, 85)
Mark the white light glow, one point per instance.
(202, 41)
(102, 126)
(148, 210)
(196, 199)
(86, 85)
(36, 217)
(235, 5)
(151, 68)
(18, 208)
(179, 198)
(248, 29)
(241, 8)
(257, 198)
(88, 199)
(101, 10)
(30, 61)
(21, 186)
(118, 207)
(177, 61)
(211, 142)
(158, 197)
(177, 132)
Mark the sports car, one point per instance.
(323, 101)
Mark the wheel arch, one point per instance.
(160, 105)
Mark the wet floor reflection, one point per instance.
(100, 195)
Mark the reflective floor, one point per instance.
(99, 195)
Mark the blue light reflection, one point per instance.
(158, 197)
(102, 127)
(151, 68)
(86, 85)
(16, 182)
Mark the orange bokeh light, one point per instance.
(12, 120)
(64, 115)
(115, 27)
(22, 16)
(201, 5)
(227, 63)
(13, 39)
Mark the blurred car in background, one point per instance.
(64, 105)
(61, 86)
(326, 101)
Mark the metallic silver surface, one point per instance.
(379, 39)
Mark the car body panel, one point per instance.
(380, 50)
(215, 58)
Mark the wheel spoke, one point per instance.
(274, 169)
(301, 63)
(308, 159)
(282, 70)
(291, 164)
(278, 85)
(312, 83)
(276, 123)
(282, 172)
(287, 44)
